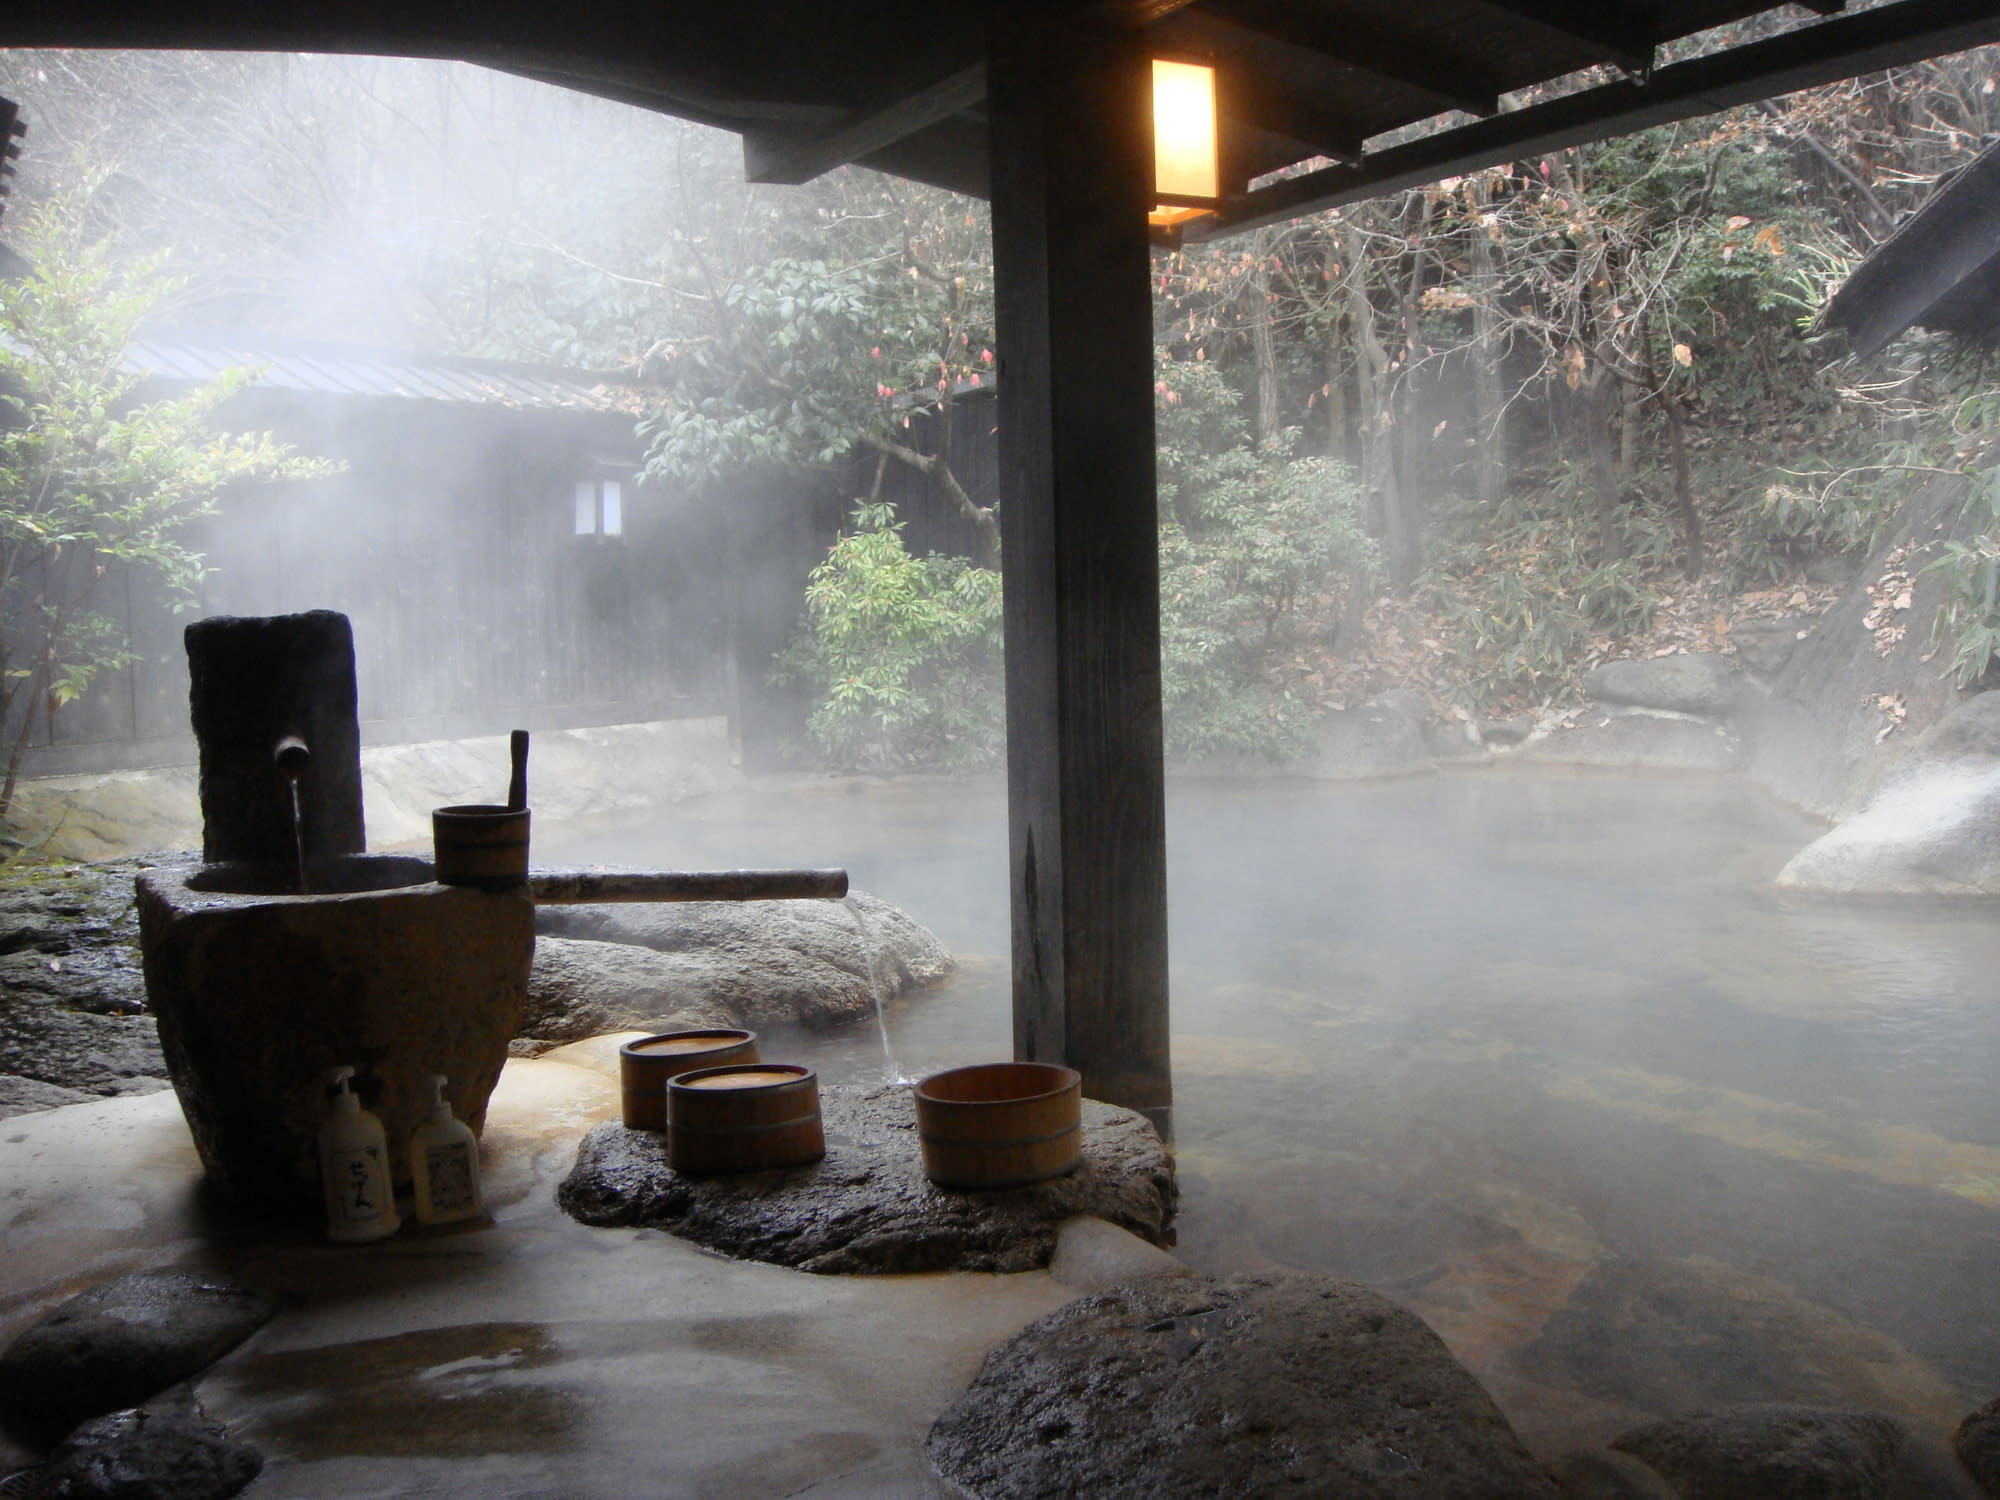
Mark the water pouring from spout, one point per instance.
(293, 757)
(891, 1072)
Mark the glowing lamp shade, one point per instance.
(1184, 150)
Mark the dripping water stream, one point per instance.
(298, 837)
(891, 1073)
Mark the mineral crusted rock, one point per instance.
(147, 1454)
(1977, 1444)
(118, 1344)
(1778, 1451)
(868, 1208)
(1279, 1383)
(742, 963)
(1688, 682)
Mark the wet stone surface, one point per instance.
(580, 988)
(148, 1454)
(730, 963)
(1779, 1451)
(1276, 1383)
(72, 996)
(1977, 1444)
(119, 1344)
(868, 1209)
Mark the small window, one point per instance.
(600, 508)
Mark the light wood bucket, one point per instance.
(744, 1118)
(480, 844)
(646, 1066)
(1000, 1125)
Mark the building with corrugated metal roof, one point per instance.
(488, 534)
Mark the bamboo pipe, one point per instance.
(573, 887)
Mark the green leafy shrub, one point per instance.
(1245, 596)
(1520, 598)
(1968, 619)
(90, 477)
(1259, 551)
(902, 652)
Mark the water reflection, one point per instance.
(1545, 1056)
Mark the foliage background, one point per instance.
(1473, 438)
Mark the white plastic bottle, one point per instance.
(444, 1164)
(354, 1168)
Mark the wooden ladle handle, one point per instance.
(517, 754)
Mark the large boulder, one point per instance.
(1932, 828)
(44, 1041)
(27, 1096)
(1384, 737)
(71, 989)
(1280, 1383)
(1764, 646)
(118, 1344)
(1686, 682)
(1639, 739)
(1825, 732)
(1785, 1452)
(737, 963)
(868, 1209)
(148, 1454)
(1977, 1443)
(579, 988)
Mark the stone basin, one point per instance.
(259, 991)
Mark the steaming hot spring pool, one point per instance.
(1544, 1056)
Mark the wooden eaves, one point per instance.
(901, 86)
(1042, 106)
(1940, 270)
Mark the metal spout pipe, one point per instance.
(581, 887)
(292, 756)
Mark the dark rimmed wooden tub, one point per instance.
(645, 1067)
(744, 1118)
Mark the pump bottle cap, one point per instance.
(440, 1109)
(344, 1100)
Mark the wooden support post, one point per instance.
(1069, 101)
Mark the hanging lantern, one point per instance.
(1187, 175)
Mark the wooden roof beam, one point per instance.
(1448, 81)
(1613, 38)
(1889, 36)
(789, 156)
(1304, 118)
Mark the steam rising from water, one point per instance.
(1546, 1057)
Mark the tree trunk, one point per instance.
(1263, 347)
(1376, 412)
(1600, 404)
(1630, 412)
(1339, 436)
(1489, 405)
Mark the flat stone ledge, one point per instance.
(868, 1209)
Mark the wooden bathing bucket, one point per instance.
(1000, 1125)
(645, 1066)
(480, 844)
(744, 1118)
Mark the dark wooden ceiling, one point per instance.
(899, 85)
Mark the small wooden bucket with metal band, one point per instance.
(480, 844)
(1000, 1125)
(744, 1118)
(646, 1066)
